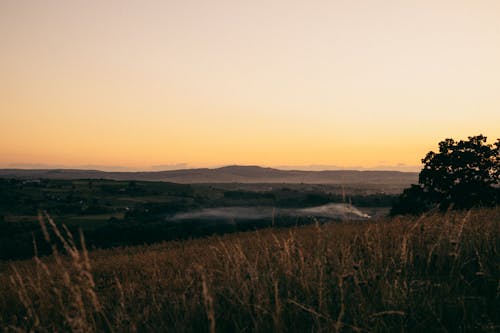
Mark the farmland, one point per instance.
(120, 213)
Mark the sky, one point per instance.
(146, 85)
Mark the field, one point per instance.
(439, 273)
(122, 213)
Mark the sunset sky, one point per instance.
(165, 84)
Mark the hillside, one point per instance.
(434, 273)
(229, 174)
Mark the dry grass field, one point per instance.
(439, 272)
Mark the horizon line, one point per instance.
(184, 166)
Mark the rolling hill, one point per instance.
(228, 174)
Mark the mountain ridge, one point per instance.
(226, 174)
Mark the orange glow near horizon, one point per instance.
(142, 84)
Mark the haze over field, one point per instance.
(135, 84)
(335, 211)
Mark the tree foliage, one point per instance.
(463, 174)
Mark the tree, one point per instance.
(461, 175)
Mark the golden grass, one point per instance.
(437, 273)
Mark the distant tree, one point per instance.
(132, 187)
(462, 174)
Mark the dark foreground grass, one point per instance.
(434, 273)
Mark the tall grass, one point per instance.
(437, 272)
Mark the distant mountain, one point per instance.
(228, 174)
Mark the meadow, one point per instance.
(437, 272)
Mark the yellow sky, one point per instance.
(277, 83)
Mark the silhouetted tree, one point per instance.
(413, 200)
(462, 174)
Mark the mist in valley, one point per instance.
(333, 211)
